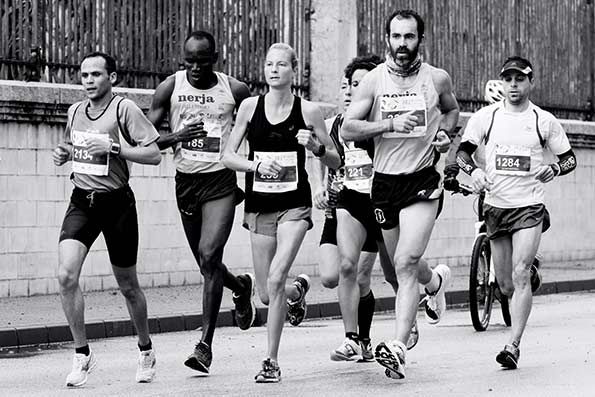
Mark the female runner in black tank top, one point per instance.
(277, 208)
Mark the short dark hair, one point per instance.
(366, 62)
(406, 14)
(202, 35)
(110, 62)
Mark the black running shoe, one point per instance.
(245, 312)
(509, 357)
(200, 359)
(296, 310)
(270, 372)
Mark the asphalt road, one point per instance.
(557, 359)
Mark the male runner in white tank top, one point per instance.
(409, 108)
(201, 103)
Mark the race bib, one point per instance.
(207, 149)
(513, 160)
(82, 161)
(391, 107)
(285, 181)
(358, 170)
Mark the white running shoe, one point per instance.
(435, 303)
(81, 366)
(391, 355)
(348, 351)
(145, 372)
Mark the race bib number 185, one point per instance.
(206, 149)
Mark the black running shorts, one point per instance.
(193, 190)
(111, 213)
(360, 207)
(501, 222)
(392, 193)
(329, 235)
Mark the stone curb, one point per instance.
(56, 333)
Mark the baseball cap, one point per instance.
(518, 64)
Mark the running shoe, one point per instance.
(81, 366)
(200, 359)
(270, 372)
(391, 355)
(145, 372)
(367, 353)
(413, 336)
(535, 276)
(435, 304)
(509, 357)
(245, 312)
(349, 350)
(296, 310)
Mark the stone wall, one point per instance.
(34, 196)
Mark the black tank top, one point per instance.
(265, 137)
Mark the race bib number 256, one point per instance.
(284, 181)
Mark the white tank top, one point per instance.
(215, 107)
(396, 153)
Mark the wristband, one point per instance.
(115, 148)
(556, 168)
(257, 165)
(390, 125)
(321, 151)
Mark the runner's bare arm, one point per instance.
(231, 159)
(149, 154)
(447, 101)
(313, 117)
(160, 107)
(239, 90)
(63, 152)
(357, 128)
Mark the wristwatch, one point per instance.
(321, 151)
(115, 148)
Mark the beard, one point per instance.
(402, 55)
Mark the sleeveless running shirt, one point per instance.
(357, 170)
(290, 188)
(399, 153)
(215, 107)
(121, 117)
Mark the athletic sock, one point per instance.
(353, 336)
(434, 284)
(146, 347)
(365, 313)
(83, 350)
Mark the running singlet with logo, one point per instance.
(121, 121)
(514, 151)
(215, 108)
(290, 188)
(399, 153)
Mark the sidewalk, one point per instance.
(40, 320)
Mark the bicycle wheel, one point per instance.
(481, 293)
